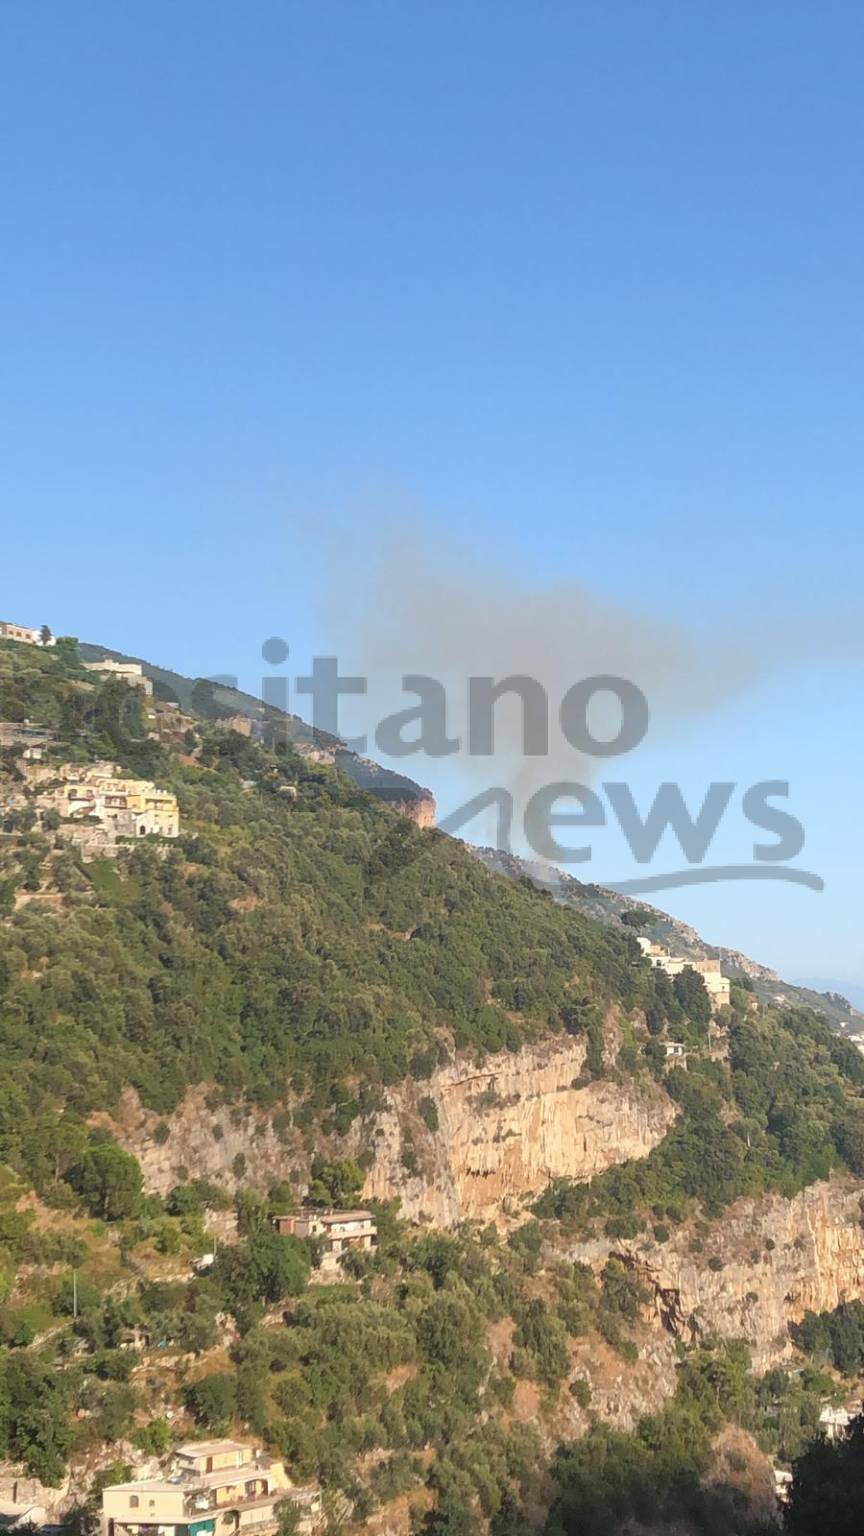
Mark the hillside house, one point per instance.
(130, 672)
(338, 1231)
(24, 635)
(214, 1488)
(31, 739)
(835, 1422)
(125, 807)
(674, 1051)
(716, 984)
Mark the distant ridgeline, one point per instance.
(672, 935)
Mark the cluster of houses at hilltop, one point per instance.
(100, 792)
(97, 805)
(93, 806)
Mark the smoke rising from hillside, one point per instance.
(413, 609)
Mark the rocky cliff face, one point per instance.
(461, 1145)
(505, 1129)
(476, 1141)
(763, 1265)
(419, 807)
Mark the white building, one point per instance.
(834, 1422)
(716, 984)
(25, 635)
(674, 1050)
(338, 1231)
(130, 672)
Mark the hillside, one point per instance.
(304, 996)
(672, 934)
(215, 701)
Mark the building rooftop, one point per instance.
(330, 1216)
(212, 1448)
(144, 1484)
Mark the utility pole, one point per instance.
(75, 1295)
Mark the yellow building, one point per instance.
(214, 1488)
(133, 807)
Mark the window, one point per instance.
(133, 1501)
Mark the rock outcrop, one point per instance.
(460, 1145)
(506, 1128)
(763, 1265)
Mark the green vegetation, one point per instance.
(827, 1491)
(835, 1338)
(782, 1112)
(266, 947)
(304, 948)
(655, 1475)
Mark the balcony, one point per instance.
(229, 1496)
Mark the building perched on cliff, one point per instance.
(716, 984)
(25, 636)
(338, 1231)
(130, 672)
(214, 1488)
(32, 740)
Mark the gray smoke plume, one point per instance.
(401, 606)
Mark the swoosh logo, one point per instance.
(713, 875)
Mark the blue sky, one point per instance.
(575, 284)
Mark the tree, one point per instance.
(281, 1198)
(289, 1515)
(335, 1183)
(111, 1182)
(692, 994)
(544, 1339)
(212, 1399)
(280, 1265)
(638, 917)
(253, 1213)
(444, 1331)
(34, 1403)
(266, 1268)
